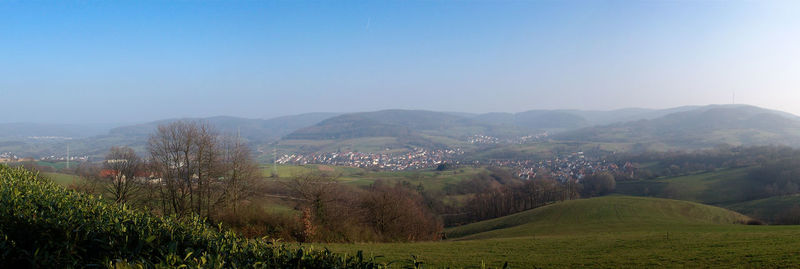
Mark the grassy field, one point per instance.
(768, 209)
(63, 179)
(430, 178)
(719, 187)
(364, 144)
(603, 214)
(725, 188)
(607, 232)
(546, 150)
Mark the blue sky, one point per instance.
(114, 61)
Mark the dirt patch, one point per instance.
(325, 168)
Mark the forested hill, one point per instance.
(391, 123)
(701, 127)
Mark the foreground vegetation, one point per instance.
(45, 225)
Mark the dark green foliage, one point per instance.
(598, 184)
(444, 166)
(44, 225)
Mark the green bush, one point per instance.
(45, 225)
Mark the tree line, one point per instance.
(499, 193)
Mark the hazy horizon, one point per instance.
(131, 62)
(123, 123)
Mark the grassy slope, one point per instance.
(62, 179)
(430, 179)
(726, 188)
(719, 187)
(769, 208)
(608, 232)
(603, 214)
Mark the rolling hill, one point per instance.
(722, 187)
(255, 131)
(688, 127)
(391, 123)
(24, 130)
(603, 214)
(551, 120)
(250, 129)
(700, 127)
(605, 232)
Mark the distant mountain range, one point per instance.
(257, 130)
(22, 130)
(676, 128)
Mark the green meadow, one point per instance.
(606, 232)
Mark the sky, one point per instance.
(125, 62)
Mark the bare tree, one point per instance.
(241, 171)
(90, 173)
(397, 213)
(313, 190)
(120, 174)
(316, 194)
(185, 156)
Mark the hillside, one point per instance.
(536, 120)
(776, 209)
(603, 214)
(720, 187)
(606, 232)
(390, 123)
(701, 127)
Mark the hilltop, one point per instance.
(700, 127)
(603, 214)
(606, 232)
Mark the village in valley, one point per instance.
(416, 158)
(569, 166)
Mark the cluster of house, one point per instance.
(488, 140)
(10, 157)
(483, 139)
(417, 158)
(574, 166)
(49, 138)
(53, 158)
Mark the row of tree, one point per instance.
(334, 212)
(499, 193)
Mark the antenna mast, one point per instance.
(67, 156)
(275, 159)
